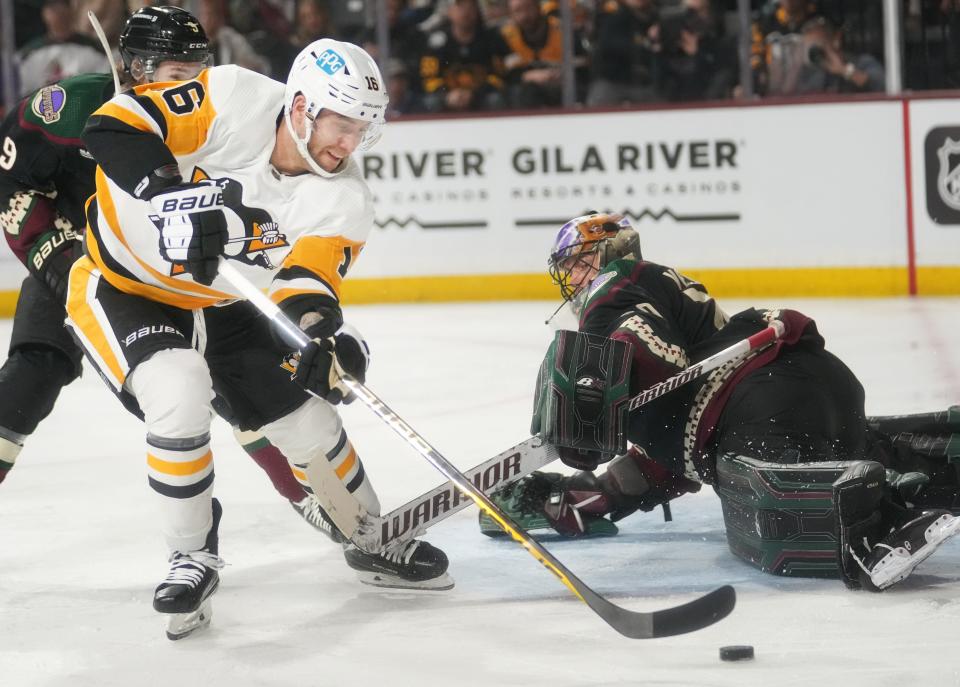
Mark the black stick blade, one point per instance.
(695, 615)
(689, 617)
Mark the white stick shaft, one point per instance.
(761, 339)
(262, 302)
(106, 48)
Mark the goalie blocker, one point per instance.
(582, 398)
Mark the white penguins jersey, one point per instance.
(296, 234)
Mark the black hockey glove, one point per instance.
(318, 316)
(193, 230)
(323, 363)
(51, 258)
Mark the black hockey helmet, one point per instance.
(155, 34)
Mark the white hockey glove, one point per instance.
(193, 230)
(324, 362)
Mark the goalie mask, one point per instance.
(587, 244)
(340, 77)
(156, 34)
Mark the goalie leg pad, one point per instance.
(857, 494)
(928, 444)
(781, 518)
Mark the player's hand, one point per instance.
(51, 258)
(193, 230)
(324, 363)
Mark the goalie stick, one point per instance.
(694, 615)
(413, 518)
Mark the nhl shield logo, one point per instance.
(941, 152)
(948, 175)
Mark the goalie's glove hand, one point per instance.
(575, 503)
(193, 231)
(323, 363)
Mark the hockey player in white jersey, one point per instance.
(237, 165)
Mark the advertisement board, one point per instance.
(830, 198)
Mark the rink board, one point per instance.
(798, 199)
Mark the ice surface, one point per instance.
(80, 553)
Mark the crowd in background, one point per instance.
(476, 55)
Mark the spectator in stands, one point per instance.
(625, 53)
(27, 23)
(776, 41)
(533, 55)
(829, 69)
(950, 20)
(496, 13)
(582, 14)
(226, 43)
(60, 52)
(111, 14)
(461, 69)
(312, 22)
(697, 61)
(406, 40)
(404, 99)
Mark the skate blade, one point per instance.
(899, 563)
(436, 584)
(180, 625)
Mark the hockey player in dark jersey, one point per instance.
(781, 434)
(46, 176)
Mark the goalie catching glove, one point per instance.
(320, 366)
(193, 229)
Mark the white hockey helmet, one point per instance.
(336, 76)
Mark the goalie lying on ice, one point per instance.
(809, 485)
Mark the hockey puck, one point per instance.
(739, 652)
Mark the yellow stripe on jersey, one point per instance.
(125, 115)
(203, 297)
(190, 467)
(83, 317)
(328, 257)
(187, 110)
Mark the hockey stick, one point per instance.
(413, 518)
(694, 615)
(97, 29)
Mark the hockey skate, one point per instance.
(526, 501)
(895, 557)
(193, 578)
(411, 564)
(310, 510)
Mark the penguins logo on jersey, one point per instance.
(261, 232)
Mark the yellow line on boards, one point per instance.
(826, 282)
